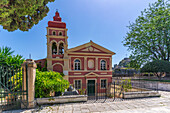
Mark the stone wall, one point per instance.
(62, 99)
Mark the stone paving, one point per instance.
(147, 105)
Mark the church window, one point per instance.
(54, 33)
(77, 64)
(103, 65)
(103, 83)
(77, 84)
(54, 48)
(61, 48)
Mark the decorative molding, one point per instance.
(85, 49)
(90, 64)
(103, 73)
(91, 48)
(52, 36)
(56, 28)
(57, 63)
(91, 43)
(89, 53)
(96, 50)
(60, 59)
(90, 76)
(77, 73)
(89, 56)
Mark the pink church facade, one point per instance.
(86, 64)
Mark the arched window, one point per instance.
(77, 64)
(60, 33)
(54, 33)
(61, 48)
(54, 48)
(103, 65)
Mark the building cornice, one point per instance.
(75, 53)
(52, 36)
(57, 28)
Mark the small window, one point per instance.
(103, 83)
(77, 64)
(77, 84)
(60, 34)
(54, 33)
(103, 65)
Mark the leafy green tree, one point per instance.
(158, 67)
(149, 36)
(10, 65)
(22, 14)
(7, 59)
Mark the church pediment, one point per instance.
(91, 74)
(91, 47)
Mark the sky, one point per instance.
(102, 21)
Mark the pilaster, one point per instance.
(85, 63)
(96, 64)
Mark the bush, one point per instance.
(44, 83)
(126, 84)
(49, 81)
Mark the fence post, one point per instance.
(157, 86)
(114, 90)
(96, 92)
(28, 81)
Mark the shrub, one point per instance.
(49, 81)
(126, 84)
(44, 83)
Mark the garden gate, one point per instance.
(12, 95)
(101, 93)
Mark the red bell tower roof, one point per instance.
(57, 23)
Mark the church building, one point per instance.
(86, 64)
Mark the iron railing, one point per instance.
(108, 92)
(11, 92)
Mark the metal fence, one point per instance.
(11, 93)
(106, 92)
(138, 85)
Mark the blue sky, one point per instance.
(102, 21)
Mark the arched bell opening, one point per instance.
(61, 48)
(54, 48)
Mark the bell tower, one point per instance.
(57, 45)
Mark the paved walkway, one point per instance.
(148, 105)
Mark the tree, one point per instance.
(9, 66)
(22, 14)
(149, 36)
(7, 59)
(157, 67)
